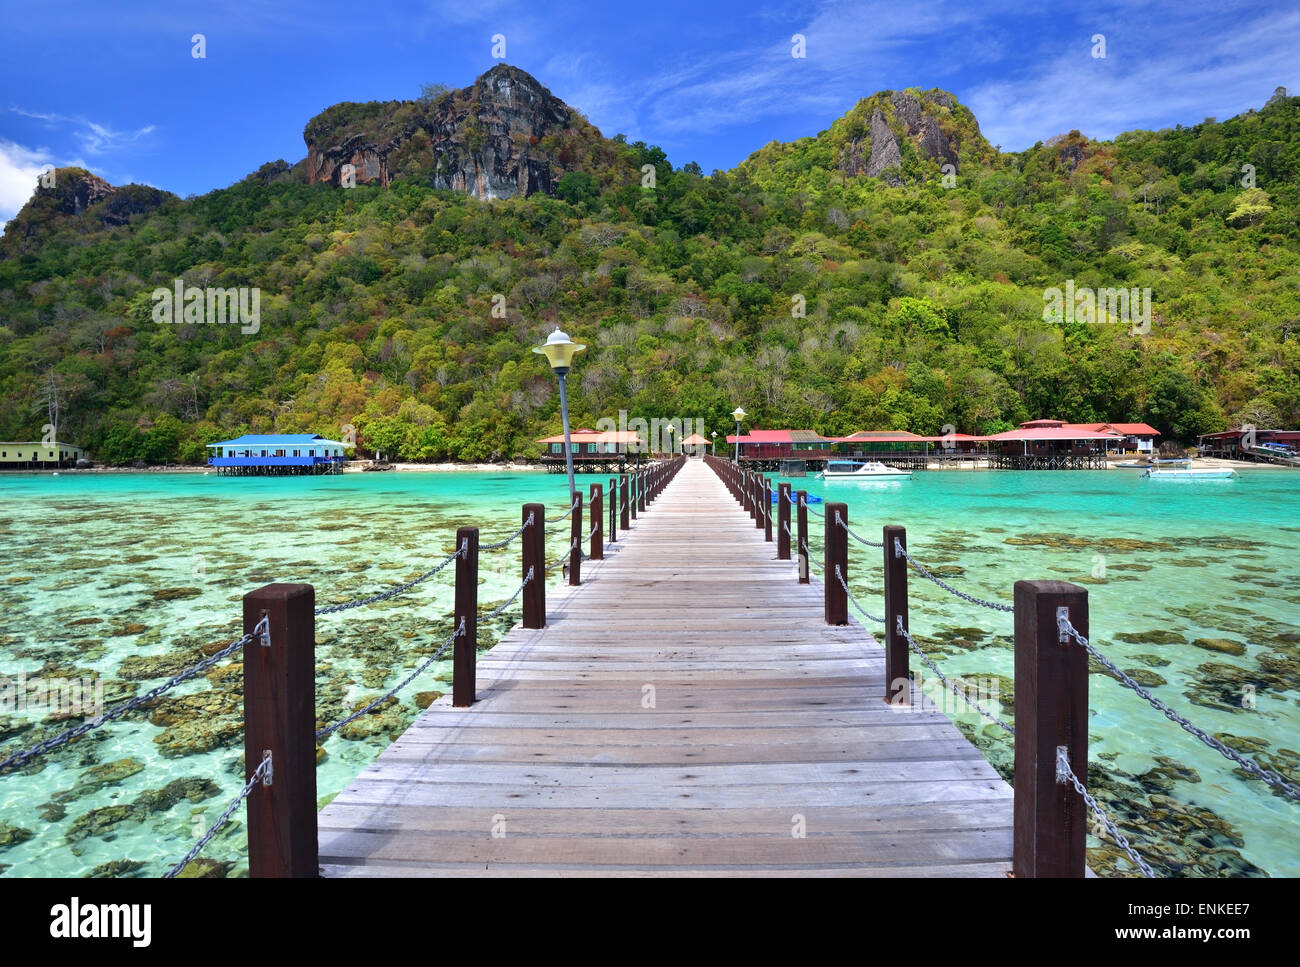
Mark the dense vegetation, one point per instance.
(923, 302)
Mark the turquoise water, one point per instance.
(1166, 564)
(128, 577)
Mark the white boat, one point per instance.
(1183, 470)
(855, 470)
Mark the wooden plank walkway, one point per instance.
(764, 719)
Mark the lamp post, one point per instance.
(737, 414)
(713, 444)
(669, 430)
(559, 351)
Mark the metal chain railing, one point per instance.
(262, 772)
(803, 502)
(1252, 767)
(899, 551)
(393, 592)
(572, 547)
(861, 540)
(63, 738)
(1063, 771)
(865, 613)
(331, 729)
(944, 678)
(808, 554)
(500, 544)
(564, 516)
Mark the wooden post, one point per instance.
(640, 490)
(767, 510)
(575, 543)
(760, 511)
(533, 540)
(835, 544)
(597, 544)
(783, 522)
(623, 495)
(1051, 712)
(465, 652)
(280, 718)
(898, 682)
(613, 510)
(635, 484)
(801, 549)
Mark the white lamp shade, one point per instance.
(559, 349)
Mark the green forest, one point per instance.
(813, 298)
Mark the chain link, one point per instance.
(1063, 769)
(19, 759)
(899, 551)
(500, 544)
(808, 554)
(573, 545)
(1252, 767)
(866, 614)
(263, 768)
(556, 520)
(944, 678)
(861, 540)
(803, 502)
(393, 592)
(331, 729)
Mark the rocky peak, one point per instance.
(884, 130)
(504, 136)
(77, 198)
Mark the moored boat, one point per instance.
(854, 470)
(1183, 470)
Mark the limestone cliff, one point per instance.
(505, 136)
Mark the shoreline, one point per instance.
(511, 467)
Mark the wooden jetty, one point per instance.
(685, 711)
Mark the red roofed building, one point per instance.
(1050, 445)
(594, 451)
(1137, 437)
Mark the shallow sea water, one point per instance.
(130, 576)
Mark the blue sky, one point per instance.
(112, 85)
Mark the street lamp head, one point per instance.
(737, 414)
(714, 434)
(559, 350)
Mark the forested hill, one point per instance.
(888, 273)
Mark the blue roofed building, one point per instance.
(277, 454)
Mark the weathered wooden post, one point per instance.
(767, 510)
(835, 544)
(464, 669)
(533, 540)
(783, 522)
(575, 543)
(597, 543)
(1051, 713)
(634, 485)
(623, 495)
(802, 537)
(640, 490)
(613, 510)
(760, 512)
(898, 682)
(280, 718)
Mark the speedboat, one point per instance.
(854, 470)
(1183, 470)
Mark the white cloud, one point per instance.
(92, 137)
(20, 167)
